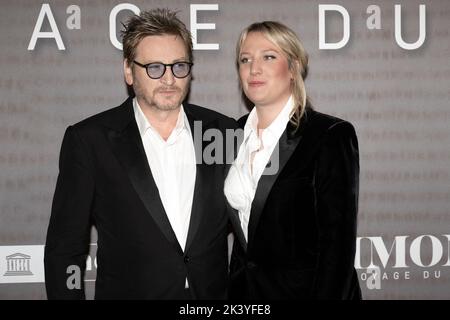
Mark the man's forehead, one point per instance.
(165, 45)
(167, 38)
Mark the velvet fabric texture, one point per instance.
(302, 228)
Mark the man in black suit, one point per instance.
(136, 173)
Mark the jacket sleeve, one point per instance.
(337, 187)
(68, 235)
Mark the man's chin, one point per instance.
(167, 106)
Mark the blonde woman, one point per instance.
(293, 188)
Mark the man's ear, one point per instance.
(128, 72)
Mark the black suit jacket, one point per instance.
(302, 228)
(105, 180)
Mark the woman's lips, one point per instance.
(256, 83)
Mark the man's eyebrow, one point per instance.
(173, 61)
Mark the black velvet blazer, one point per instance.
(302, 228)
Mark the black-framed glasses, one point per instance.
(156, 70)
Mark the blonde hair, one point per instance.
(291, 46)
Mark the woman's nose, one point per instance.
(255, 67)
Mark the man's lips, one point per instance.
(168, 91)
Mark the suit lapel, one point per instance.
(286, 145)
(201, 177)
(198, 203)
(128, 148)
(237, 229)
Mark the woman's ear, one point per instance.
(294, 66)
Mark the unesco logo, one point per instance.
(18, 264)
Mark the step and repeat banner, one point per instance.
(382, 65)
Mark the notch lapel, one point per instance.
(129, 150)
(198, 203)
(201, 179)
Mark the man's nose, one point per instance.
(168, 78)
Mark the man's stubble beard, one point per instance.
(156, 102)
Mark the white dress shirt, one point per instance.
(253, 157)
(173, 167)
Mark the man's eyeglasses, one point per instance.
(156, 70)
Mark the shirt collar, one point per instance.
(276, 128)
(144, 125)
